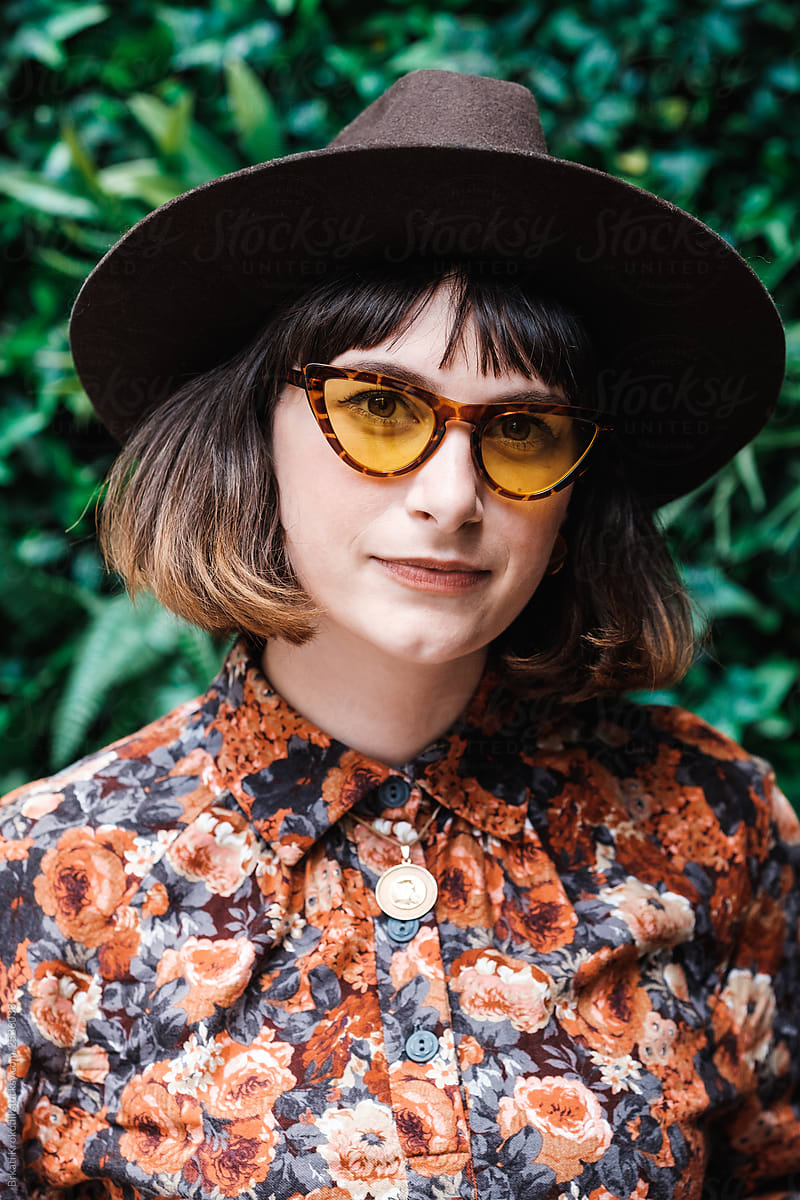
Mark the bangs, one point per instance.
(499, 324)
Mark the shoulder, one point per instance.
(140, 779)
(82, 853)
(688, 775)
(84, 829)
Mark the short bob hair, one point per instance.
(191, 507)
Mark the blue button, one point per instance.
(422, 1046)
(394, 792)
(402, 931)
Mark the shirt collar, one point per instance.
(294, 781)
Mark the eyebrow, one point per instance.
(536, 392)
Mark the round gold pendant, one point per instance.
(406, 891)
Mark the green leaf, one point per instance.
(17, 428)
(75, 268)
(72, 20)
(167, 124)
(123, 642)
(31, 598)
(254, 114)
(81, 159)
(746, 469)
(683, 170)
(746, 695)
(40, 194)
(140, 179)
(718, 596)
(32, 42)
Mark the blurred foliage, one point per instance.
(110, 111)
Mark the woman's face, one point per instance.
(346, 533)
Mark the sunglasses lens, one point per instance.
(529, 452)
(382, 429)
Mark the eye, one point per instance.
(381, 405)
(516, 428)
(526, 428)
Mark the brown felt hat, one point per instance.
(447, 166)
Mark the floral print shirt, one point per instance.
(203, 999)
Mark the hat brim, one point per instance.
(690, 346)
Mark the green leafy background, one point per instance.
(110, 111)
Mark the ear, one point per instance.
(558, 555)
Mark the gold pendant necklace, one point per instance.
(405, 890)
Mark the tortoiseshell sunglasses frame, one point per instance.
(312, 380)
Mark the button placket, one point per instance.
(424, 1079)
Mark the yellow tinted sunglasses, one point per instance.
(383, 426)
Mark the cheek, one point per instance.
(535, 531)
(300, 456)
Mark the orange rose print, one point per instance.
(654, 918)
(640, 1192)
(545, 919)
(363, 1152)
(743, 1019)
(115, 954)
(156, 901)
(163, 1129)
(423, 957)
(20, 1061)
(89, 1063)
(82, 882)
(375, 852)
(239, 1157)
(762, 934)
(426, 1118)
(63, 1001)
(323, 1193)
(198, 764)
(248, 1079)
(357, 1017)
(218, 849)
(217, 972)
(14, 848)
(470, 1051)
(345, 784)
(608, 1011)
(14, 978)
(567, 1115)
(63, 1133)
(470, 884)
(496, 987)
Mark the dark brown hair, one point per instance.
(191, 508)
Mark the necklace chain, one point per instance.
(404, 892)
(387, 837)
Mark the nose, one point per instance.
(447, 487)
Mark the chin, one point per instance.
(427, 650)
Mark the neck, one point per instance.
(382, 706)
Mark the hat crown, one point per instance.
(444, 108)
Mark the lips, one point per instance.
(438, 564)
(445, 575)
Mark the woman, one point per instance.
(411, 903)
